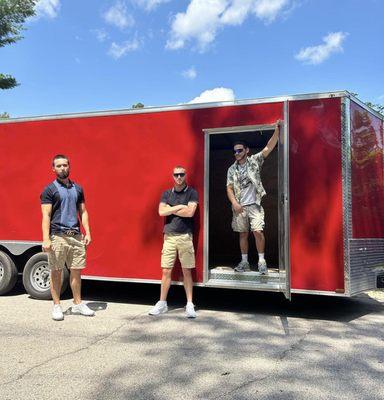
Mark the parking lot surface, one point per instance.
(243, 345)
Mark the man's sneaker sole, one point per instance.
(163, 311)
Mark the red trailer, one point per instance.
(324, 181)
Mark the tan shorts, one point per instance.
(252, 218)
(67, 251)
(181, 244)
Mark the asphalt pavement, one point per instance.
(243, 345)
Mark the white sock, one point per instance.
(163, 302)
(189, 302)
(261, 257)
(244, 257)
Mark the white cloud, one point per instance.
(190, 73)
(317, 54)
(217, 94)
(118, 15)
(101, 34)
(47, 8)
(204, 18)
(150, 5)
(119, 50)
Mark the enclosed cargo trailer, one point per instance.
(324, 181)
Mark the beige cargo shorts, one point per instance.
(252, 218)
(178, 244)
(67, 251)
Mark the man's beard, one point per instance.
(62, 175)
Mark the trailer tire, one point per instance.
(8, 273)
(36, 277)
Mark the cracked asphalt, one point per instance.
(243, 345)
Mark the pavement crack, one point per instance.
(95, 342)
(280, 358)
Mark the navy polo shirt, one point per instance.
(65, 202)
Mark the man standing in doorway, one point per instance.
(245, 191)
(178, 206)
(61, 203)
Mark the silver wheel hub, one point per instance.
(40, 276)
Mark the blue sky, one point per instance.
(90, 55)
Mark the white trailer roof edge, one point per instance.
(276, 99)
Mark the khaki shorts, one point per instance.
(252, 218)
(67, 251)
(178, 244)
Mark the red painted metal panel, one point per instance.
(367, 174)
(124, 163)
(316, 195)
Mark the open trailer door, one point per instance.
(283, 178)
(221, 244)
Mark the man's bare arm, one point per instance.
(235, 204)
(272, 141)
(85, 222)
(188, 211)
(46, 210)
(165, 209)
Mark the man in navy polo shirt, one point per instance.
(178, 206)
(61, 203)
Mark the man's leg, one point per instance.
(165, 283)
(56, 285)
(260, 241)
(75, 282)
(243, 239)
(78, 306)
(188, 284)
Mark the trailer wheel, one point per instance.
(8, 273)
(36, 277)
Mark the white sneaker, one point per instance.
(57, 313)
(190, 311)
(82, 309)
(159, 308)
(262, 266)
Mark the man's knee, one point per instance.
(167, 272)
(243, 234)
(258, 234)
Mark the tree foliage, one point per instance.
(138, 105)
(13, 14)
(4, 115)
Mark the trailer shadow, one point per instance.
(325, 308)
(266, 348)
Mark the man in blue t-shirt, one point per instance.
(61, 203)
(178, 206)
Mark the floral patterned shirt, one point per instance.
(254, 164)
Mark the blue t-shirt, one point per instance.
(65, 202)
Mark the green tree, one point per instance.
(13, 14)
(4, 115)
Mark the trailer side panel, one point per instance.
(124, 162)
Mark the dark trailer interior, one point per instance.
(224, 251)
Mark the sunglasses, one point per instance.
(180, 174)
(238, 151)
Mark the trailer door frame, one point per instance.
(284, 285)
(284, 226)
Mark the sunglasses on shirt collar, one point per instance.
(179, 174)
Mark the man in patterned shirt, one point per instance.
(245, 191)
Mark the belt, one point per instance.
(70, 232)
